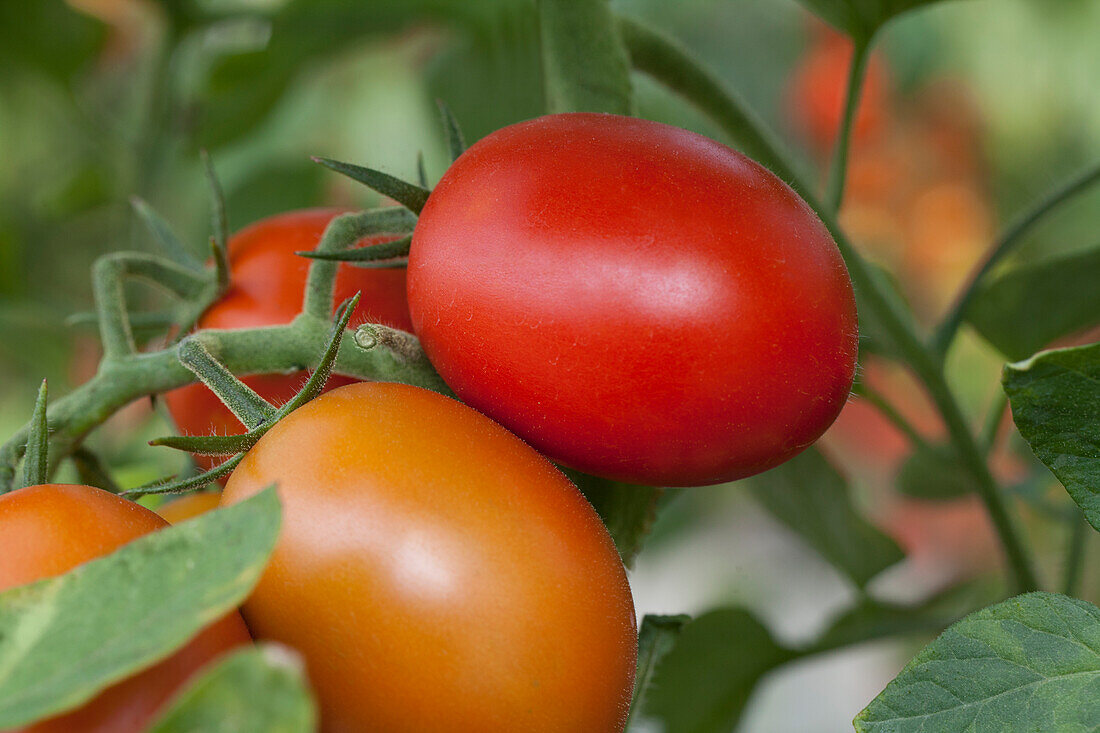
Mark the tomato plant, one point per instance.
(435, 572)
(46, 530)
(267, 283)
(189, 506)
(634, 300)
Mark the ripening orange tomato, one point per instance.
(267, 284)
(48, 530)
(189, 507)
(436, 573)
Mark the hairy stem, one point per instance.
(838, 174)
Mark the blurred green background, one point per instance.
(974, 109)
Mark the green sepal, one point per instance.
(92, 472)
(170, 244)
(376, 254)
(36, 469)
(409, 195)
(219, 221)
(456, 143)
(182, 486)
(249, 407)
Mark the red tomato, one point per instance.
(436, 573)
(633, 300)
(267, 283)
(48, 530)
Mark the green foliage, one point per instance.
(585, 66)
(861, 18)
(656, 638)
(808, 495)
(934, 472)
(48, 36)
(702, 685)
(627, 510)
(1055, 399)
(257, 690)
(64, 639)
(1027, 308)
(1030, 663)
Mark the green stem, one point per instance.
(1075, 553)
(271, 349)
(584, 64)
(891, 413)
(838, 174)
(672, 66)
(993, 419)
(1008, 241)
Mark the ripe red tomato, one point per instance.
(436, 573)
(267, 283)
(633, 300)
(48, 530)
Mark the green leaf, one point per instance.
(257, 690)
(409, 195)
(1027, 308)
(64, 639)
(627, 510)
(1055, 399)
(808, 495)
(861, 18)
(585, 66)
(656, 638)
(1031, 663)
(702, 685)
(934, 472)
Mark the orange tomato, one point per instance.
(436, 573)
(46, 531)
(189, 507)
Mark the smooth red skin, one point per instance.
(633, 300)
(48, 530)
(436, 573)
(267, 283)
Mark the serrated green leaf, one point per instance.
(934, 472)
(1055, 399)
(1027, 308)
(257, 690)
(861, 18)
(808, 495)
(702, 685)
(64, 639)
(1031, 663)
(627, 510)
(585, 66)
(656, 637)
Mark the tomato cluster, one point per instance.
(630, 299)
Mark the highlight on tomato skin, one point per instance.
(267, 284)
(634, 300)
(49, 529)
(436, 573)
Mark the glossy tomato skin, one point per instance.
(267, 283)
(46, 531)
(633, 300)
(436, 573)
(189, 507)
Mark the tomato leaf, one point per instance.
(258, 690)
(934, 472)
(64, 639)
(1029, 663)
(861, 18)
(1027, 308)
(808, 495)
(627, 510)
(703, 683)
(585, 65)
(656, 638)
(1055, 399)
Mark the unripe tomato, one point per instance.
(48, 530)
(436, 573)
(267, 284)
(189, 507)
(633, 300)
